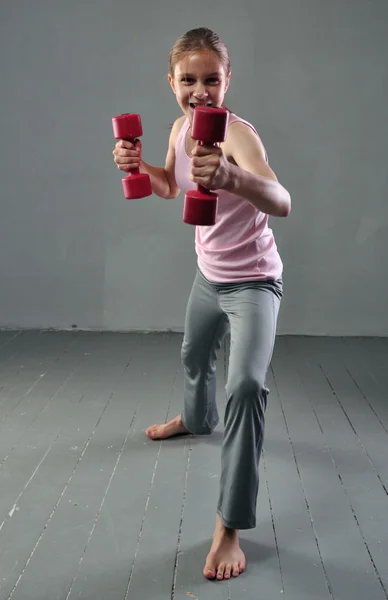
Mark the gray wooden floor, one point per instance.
(90, 508)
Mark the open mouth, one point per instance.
(194, 104)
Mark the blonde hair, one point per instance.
(199, 39)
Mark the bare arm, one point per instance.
(240, 167)
(163, 179)
(252, 177)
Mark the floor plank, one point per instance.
(90, 508)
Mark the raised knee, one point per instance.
(193, 358)
(189, 356)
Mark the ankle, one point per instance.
(221, 529)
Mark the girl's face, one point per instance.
(199, 79)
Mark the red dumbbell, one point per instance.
(128, 127)
(209, 128)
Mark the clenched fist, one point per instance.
(127, 155)
(209, 167)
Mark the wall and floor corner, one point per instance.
(311, 77)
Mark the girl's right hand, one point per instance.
(127, 155)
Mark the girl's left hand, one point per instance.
(209, 167)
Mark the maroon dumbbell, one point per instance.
(209, 128)
(128, 127)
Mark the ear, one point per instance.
(172, 83)
(227, 80)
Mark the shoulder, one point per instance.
(176, 128)
(241, 133)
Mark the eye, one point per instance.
(214, 80)
(187, 80)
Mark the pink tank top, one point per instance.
(240, 246)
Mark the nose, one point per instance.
(200, 92)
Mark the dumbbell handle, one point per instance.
(135, 170)
(201, 188)
(200, 205)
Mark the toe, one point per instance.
(236, 571)
(221, 571)
(228, 570)
(152, 433)
(210, 568)
(209, 573)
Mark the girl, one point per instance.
(238, 284)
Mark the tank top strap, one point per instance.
(181, 139)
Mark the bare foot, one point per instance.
(166, 430)
(225, 558)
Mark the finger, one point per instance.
(206, 171)
(203, 181)
(198, 174)
(127, 153)
(126, 168)
(126, 144)
(206, 150)
(201, 151)
(127, 164)
(201, 162)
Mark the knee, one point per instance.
(193, 358)
(190, 359)
(188, 354)
(247, 388)
(185, 351)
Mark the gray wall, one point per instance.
(310, 75)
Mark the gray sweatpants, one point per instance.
(249, 310)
